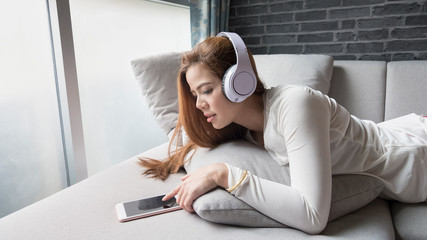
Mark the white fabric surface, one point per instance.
(296, 114)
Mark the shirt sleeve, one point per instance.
(303, 118)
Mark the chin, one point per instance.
(219, 126)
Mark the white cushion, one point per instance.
(156, 76)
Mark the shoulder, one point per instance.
(296, 103)
(294, 90)
(293, 94)
(298, 111)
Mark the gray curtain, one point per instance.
(208, 18)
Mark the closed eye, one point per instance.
(207, 91)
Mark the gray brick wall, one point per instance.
(388, 30)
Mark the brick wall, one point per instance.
(388, 30)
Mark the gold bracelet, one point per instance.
(241, 180)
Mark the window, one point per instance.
(117, 125)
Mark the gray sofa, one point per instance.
(369, 89)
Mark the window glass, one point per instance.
(108, 34)
(32, 162)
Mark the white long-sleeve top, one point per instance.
(318, 138)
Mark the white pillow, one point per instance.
(156, 76)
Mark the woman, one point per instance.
(297, 126)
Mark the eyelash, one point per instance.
(207, 91)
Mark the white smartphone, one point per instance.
(145, 207)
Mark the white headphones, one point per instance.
(239, 81)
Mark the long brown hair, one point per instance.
(217, 53)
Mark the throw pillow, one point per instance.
(349, 192)
(156, 76)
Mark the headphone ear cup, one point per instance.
(227, 82)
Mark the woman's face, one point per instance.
(207, 89)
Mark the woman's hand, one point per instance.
(198, 183)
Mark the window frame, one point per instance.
(178, 3)
(67, 89)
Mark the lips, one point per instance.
(210, 117)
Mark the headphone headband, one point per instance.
(240, 49)
(239, 81)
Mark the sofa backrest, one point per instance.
(360, 86)
(313, 70)
(406, 88)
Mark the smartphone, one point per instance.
(145, 207)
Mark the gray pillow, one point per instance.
(349, 192)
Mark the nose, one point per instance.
(200, 103)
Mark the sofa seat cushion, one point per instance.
(410, 220)
(86, 211)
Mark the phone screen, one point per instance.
(148, 205)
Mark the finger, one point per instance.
(178, 198)
(187, 203)
(183, 195)
(172, 193)
(185, 177)
(168, 196)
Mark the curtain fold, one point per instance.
(208, 18)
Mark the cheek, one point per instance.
(225, 109)
(220, 101)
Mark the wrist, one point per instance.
(220, 175)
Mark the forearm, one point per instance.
(283, 203)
